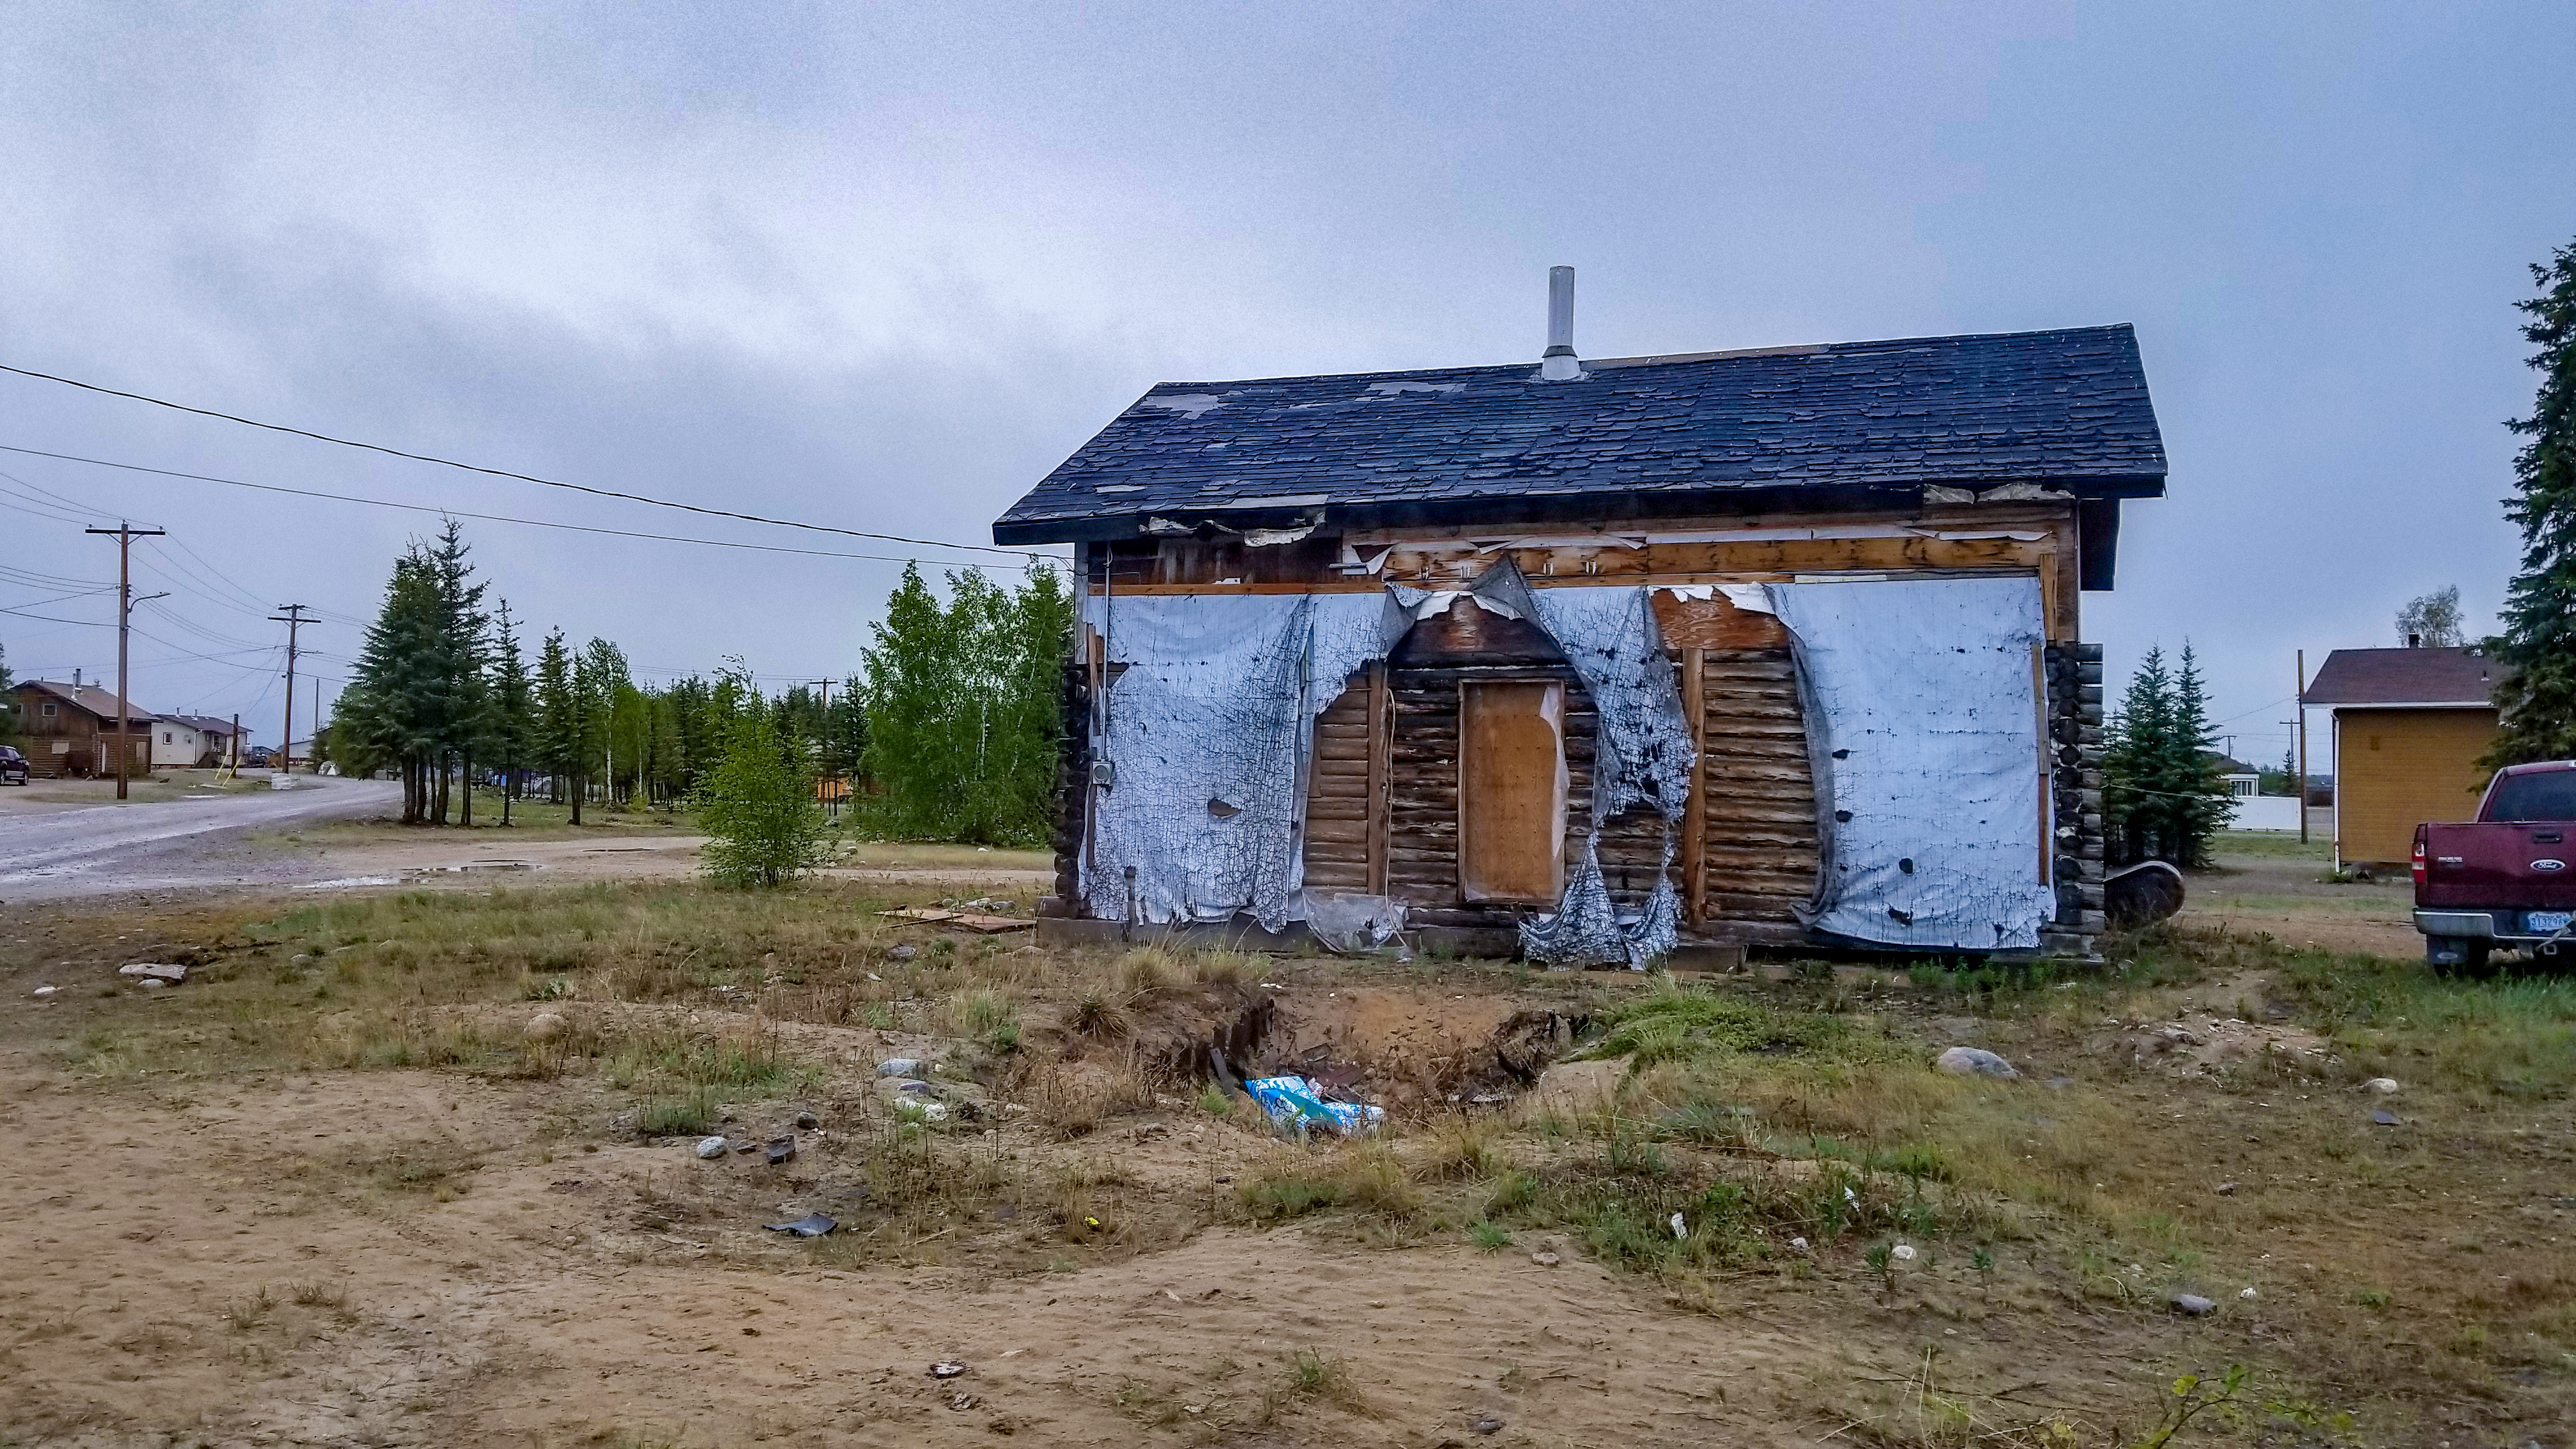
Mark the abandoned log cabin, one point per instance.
(1593, 659)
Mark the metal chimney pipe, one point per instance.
(1558, 364)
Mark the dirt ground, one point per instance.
(344, 1186)
(379, 855)
(2279, 888)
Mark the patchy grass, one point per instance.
(1682, 1023)
(2512, 1037)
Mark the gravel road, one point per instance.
(182, 843)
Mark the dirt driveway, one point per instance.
(2278, 888)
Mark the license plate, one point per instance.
(2545, 920)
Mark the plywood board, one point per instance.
(1512, 785)
(964, 920)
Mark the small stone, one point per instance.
(2226, 1189)
(1797, 1245)
(899, 1067)
(1902, 1252)
(1545, 1259)
(915, 1089)
(2192, 1305)
(2249, 1295)
(962, 1400)
(808, 1121)
(2384, 1086)
(47, 990)
(547, 1025)
(1973, 1062)
(903, 953)
(2384, 1117)
(152, 983)
(711, 1147)
(167, 975)
(947, 1368)
(1485, 1426)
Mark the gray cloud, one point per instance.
(883, 267)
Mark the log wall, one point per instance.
(1382, 812)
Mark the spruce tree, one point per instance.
(510, 724)
(2536, 697)
(455, 673)
(558, 726)
(2163, 795)
(391, 713)
(2198, 783)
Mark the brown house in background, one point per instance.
(2409, 726)
(70, 729)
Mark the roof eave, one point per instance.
(1541, 507)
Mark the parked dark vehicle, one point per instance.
(13, 767)
(2508, 878)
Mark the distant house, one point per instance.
(192, 741)
(1595, 659)
(70, 729)
(2409, 726)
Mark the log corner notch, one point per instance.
(2074, 675)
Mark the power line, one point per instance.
(539, 522)
(50, 619)
(501, 472)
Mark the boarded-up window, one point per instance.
(1511, 792)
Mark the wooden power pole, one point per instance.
(125, 534)
(2303, 747)
(292, 616)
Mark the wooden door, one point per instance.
(1511, 792)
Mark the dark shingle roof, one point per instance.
(2404, 676)
(98, 702)
(2067, 408)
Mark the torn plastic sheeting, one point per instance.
(1216, 708)
(1293, 1103)
(1924, 731)
(1347, 922)
(1642, 754)
(1432, 603)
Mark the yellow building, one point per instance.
(2409, 726)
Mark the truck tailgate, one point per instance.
(2526, 864)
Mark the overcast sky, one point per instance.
(883, 267)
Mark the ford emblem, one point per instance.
(2549, 865)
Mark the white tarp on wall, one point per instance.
(1923, 720)
(1210, 727)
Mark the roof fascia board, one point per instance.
(2340, 705)
(1569, 506)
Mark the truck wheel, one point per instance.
(2456, 955)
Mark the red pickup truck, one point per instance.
(2507, 878)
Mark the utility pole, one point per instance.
(292, 616)
(125, 534)
(317, 728)
(2303, 747)
(235, 751)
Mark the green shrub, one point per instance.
(758, 809)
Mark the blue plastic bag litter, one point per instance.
(1294, 1104)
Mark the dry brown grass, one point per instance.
(2400, 1272)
